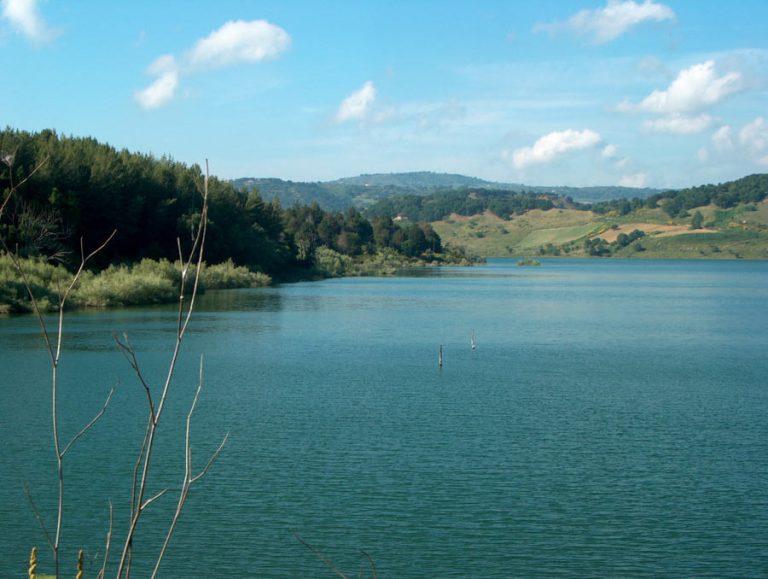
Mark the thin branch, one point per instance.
(211, 460)
(319, 555)
(17, 185)
(184, 316)
(103, 570)
(88, 426)
(38, 516)
(128, 351)
(137, 468)
(189, 480)
(151, 500)
(84, 259)
(371, 563)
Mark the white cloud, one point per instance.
(694, 88)
(749, 146)
(163, 89)
(357, 105)
(609, 151)
(754, 136)
(239, 41)
(25, 18)
(553, 145)
(637, 180)
(616, 18)
(723, 138)
(680, 124)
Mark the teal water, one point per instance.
(612, 422)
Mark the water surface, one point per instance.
(611, 422)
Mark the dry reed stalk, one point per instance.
(33, 563)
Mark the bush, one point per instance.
(227, 275)
(146, 283)
(331, 263)
(46, 281)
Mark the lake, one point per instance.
(611, 422)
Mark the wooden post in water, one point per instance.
(440, 357)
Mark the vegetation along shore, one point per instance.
(78, 191)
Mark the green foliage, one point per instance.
(227, 275)
(47, 282)
(697, 220)
(146, 282)
(84, 190)
(528, 262)
(441, 204)
(331, 263)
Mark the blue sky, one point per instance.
(573, 92)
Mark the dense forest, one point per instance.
(83, 190)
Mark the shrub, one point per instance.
(127, 286)
(227, 275)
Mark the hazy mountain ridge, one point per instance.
(364, 190)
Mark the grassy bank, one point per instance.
(146, 282)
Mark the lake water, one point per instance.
(612, 422)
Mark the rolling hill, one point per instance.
(364, 191)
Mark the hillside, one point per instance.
(729, 220)
(364, 191)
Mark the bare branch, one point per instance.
(145, 456)
(130, 354)
(88, 426)
(103, 570)
(83, 261)
(189, 480)
(24, 180)
(371, 563)
(137, 468)
(38, 516)
(151, 500)
(211, 460)
(319, 555)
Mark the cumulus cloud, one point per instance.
(240, 41)
(24, 16)
(235, 42)
(554, 145)
(608, 23)
(357, 105)
(754, 136)
(694, 88)
(723, 138)
(609, 151)
(163, 89)
(750, 144)
(637, 180)
(680, 124)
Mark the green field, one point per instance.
(737, 233)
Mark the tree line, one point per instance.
(465, 201)
(677, 203)
(503, 203)
(84, 189)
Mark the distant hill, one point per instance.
(717, 221)
(417, 180)
(365, 190)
